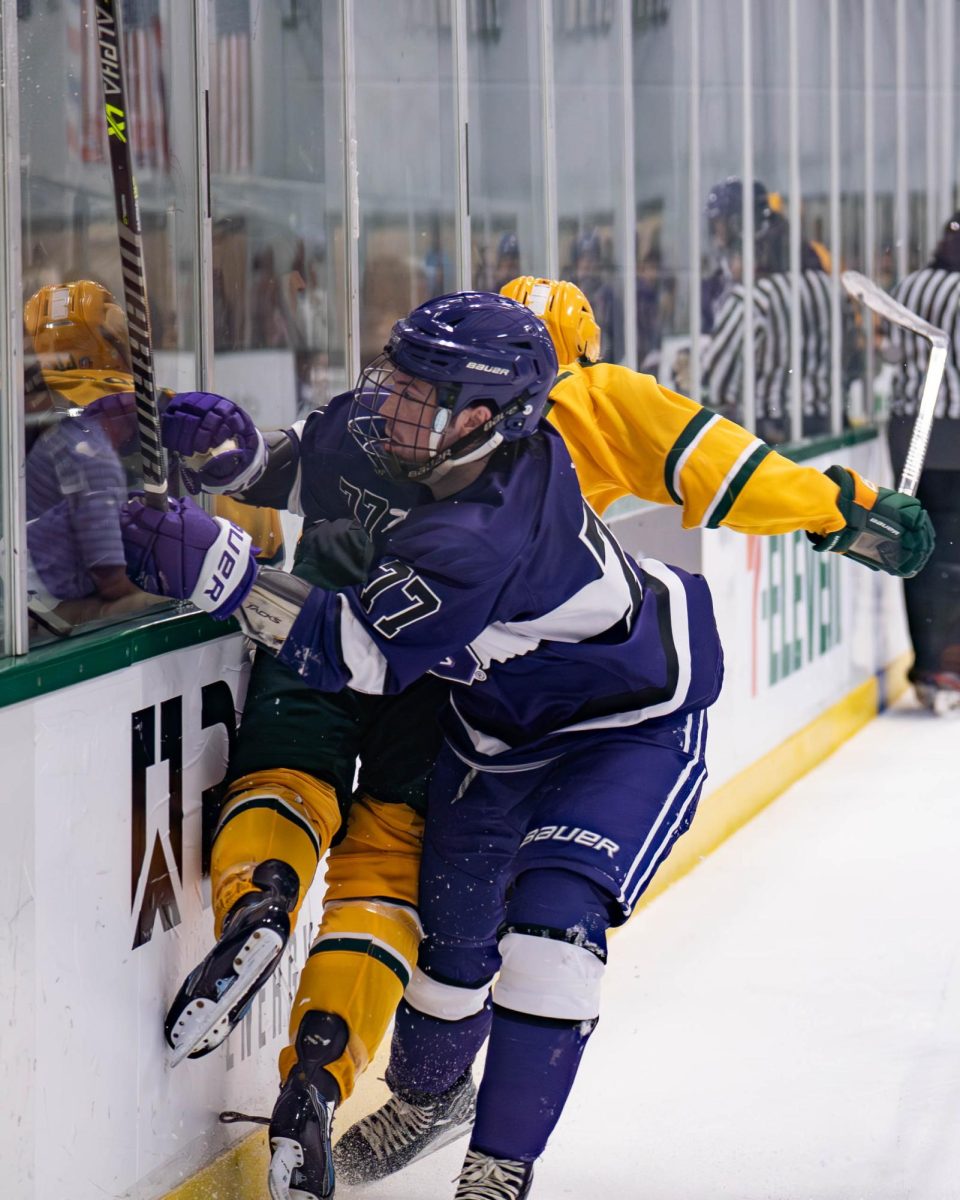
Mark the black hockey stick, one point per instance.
(131, 251)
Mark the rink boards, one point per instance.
(105, 905)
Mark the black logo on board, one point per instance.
(156, 865)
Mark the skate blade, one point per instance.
(204, 1024)
(287, 1156)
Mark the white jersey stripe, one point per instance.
(678, 788)
(729, 478)
(361, 655)
(682, 460)
(593, 610)
(692, 793)
(487, 744)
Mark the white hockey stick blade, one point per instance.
(861, 288)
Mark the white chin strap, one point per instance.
(441, 420)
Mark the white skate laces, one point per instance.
(484, 1177)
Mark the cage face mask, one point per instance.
(451, 354)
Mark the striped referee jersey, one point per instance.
(934, 295)
(723, 365)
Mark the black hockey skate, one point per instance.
(301, 1166)
(484, 1177)
(217, 992)
(409, 1126)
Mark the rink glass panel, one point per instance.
(276, 189)
(407, 148)
(662, 169)
(777, 385)
(505, 146)
(588, 84)
(720, 121)
(856, 353)
(921, 224)
(76, 480)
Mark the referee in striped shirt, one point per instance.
(723, 369)
(933, 596)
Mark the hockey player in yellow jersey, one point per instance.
(630, 436)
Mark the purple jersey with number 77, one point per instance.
(515, 591)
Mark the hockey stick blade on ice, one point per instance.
(861, 288)
(131, 250)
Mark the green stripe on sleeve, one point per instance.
(737, 484)
(693, 427)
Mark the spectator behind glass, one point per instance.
(588, 274)
(653, 293)
(508, 261)
(933, 597)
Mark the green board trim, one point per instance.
(813, 449)
(89, 655)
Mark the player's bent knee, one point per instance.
(275, 814)
(547, 976)
(375, 927)
(445, 1001)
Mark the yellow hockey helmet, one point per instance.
(565, 311)
(75, 325)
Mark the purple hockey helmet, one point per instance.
(725, 202)
(472, 348)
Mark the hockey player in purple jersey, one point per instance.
(576, 727)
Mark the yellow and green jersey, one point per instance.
(629, 436)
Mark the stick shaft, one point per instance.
(881, 302)
(131, 250)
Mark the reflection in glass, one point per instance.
(590, 161)
(661, 98)
(81, 444)
(919, 237)
(277, 168)
(722, 294)
(854, 252)
(505, 144)
(407, 150)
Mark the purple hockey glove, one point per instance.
(188, 555)
(220, 448)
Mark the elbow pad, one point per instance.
(276, 481)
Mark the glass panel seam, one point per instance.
(836, 299)
(12, 467)
(749, 365)
(548, 108)
(796, 199)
